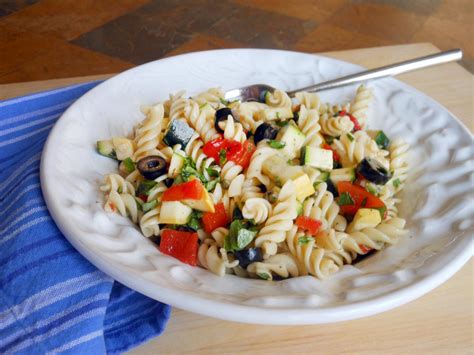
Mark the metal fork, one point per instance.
(255, 92)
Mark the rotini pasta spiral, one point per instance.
(233, 130)
(323, 208)
(149, 223)
(114, 182)
(123, 203)
(308, 124)
(280, 221)
(213, 96)
(335, 126)
(148, 135)
(213, 258)
(355, 147)
(257, 209)
(247, 112)
(278, 107)
(309, 99)
(199, 121)
(360, 105)
(202, 161)
(262, 153)
(310, 259)
(283, 265)
(232, 177)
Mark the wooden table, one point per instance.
(439, 322)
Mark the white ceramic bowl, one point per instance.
(437, 201)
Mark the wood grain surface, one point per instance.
(439, 322)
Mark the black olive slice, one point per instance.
(265, 131)
(248, 256)
(373, 171)
(221, 116)
(152, 167)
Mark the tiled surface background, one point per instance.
(45, 39)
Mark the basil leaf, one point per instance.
(148, 206)
(278, 115)
(264, 276)
(145, 186)
(350, 136)
(345, 199)
(396, 183)
(382, 211)
(276, 144)
(129, 165)
(222, 156)
(239, 237)
(281, 123)
(382, 140)
(212, 172)
(211, 185)
(304, 239)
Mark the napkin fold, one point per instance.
(51, 298)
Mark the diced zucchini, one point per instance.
(106, 148)
(299, 209)
(174, 212)
(345, 174)
(280, 171)
(293, 138)
(176, 164)
(317, 158)
(364, 218)
(178, 132)
(123, 147)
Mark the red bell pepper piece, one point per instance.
(191, 190)
(361, 197)
(212, 221)
(180, 245)
(244, 156)
(308, 224)
(212, 148)
(335, 155)
(364, 249)
(235, 151)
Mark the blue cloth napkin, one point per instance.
(51, 298)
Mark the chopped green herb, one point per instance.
(304, 239)
(278, 115)
(276, 144)
(211, 185)
(396, 183)
(119, 190)
(350, 136)
(148, 206)
(281, 123)
(299, 209)
(371, 188)
(239, 236)
(145, 187)
(129, 165)
(222, 156)
(212, 172)
(195, 220)
(223, 101)
(203, 105)
(382, 211)
(382, 140)
(345, 199)
(139, 203)
(264, 276)
(364, 202)
(189, 169)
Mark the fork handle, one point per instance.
(389, 70)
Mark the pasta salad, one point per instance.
(271, 189)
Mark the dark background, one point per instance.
(46, 39)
